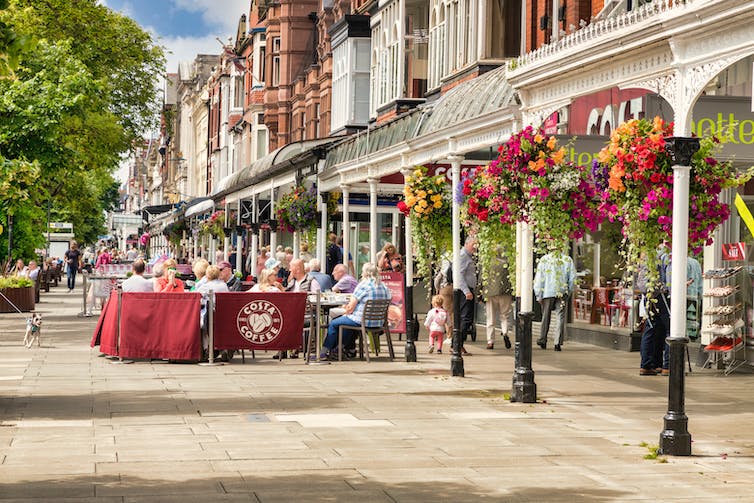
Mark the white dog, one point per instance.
(33, 330)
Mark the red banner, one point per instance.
(160, 325)
(734, 251)
(152, 325)
(260, 321)
(105, 335)
(396, 314)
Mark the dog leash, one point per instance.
(14, 306)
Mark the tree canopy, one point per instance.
(71, 105)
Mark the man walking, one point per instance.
(499, 301)
(553, 285)
(73, 263)
(467, 284)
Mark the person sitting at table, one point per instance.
(345, 283)
(168, 282)
(268, 282)
(33, 270)
(321, 282)
(137, 282)
(298, 279)
(226, 274)
(369, 288)
(199, 269)
(212, 281)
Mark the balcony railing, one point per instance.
(596, 31)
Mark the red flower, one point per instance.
(403, 208)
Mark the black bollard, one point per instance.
(675, 439)
(412, 329)
(456, 360)
(524, 387)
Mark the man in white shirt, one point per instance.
(137, 282)
(298, 280)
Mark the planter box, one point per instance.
(23, 298)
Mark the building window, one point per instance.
(276, 61)
(262, 66)
(303, 125)
(317, 132)
(238, 92)
(276, 70)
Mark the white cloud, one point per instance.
(223, 14)
(187, 48)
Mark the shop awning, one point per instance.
(198, 206)
(261, 167)
(157, 209)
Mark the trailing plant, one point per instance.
(427, 203)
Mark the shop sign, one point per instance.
(734, 251)
(396, 314)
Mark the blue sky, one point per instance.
(185, 27)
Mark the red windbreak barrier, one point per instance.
(260, 321)
(160, 325)
(105, 335)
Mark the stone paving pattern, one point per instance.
(75, 427)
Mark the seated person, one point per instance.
(321, 282)
(199, 268)
(344, 282)
(137, 282)
(33, 270)
(369, 288)
(268, 282)
(298, 279)
(226, 274)
(168, 282)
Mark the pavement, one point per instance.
(75, 427)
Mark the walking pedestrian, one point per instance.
(467, 284)
(437, 323)
(72, 263)
(553, 285)
(499, 301)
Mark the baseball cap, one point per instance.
(271, 263)
(225, 264)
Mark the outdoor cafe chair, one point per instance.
(375, 311)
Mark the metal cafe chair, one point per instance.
(375, 311)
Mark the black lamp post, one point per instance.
(675, 439)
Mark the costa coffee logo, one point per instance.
(259, 322)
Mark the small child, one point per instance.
(437, 322)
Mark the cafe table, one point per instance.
(321, 302)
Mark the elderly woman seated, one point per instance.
(167, 282)
(369, 288)
(268, 282)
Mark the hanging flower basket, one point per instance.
(297, 211)
(636, 169)
(213, 226)
(529, 182)
(427, 202)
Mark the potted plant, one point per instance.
(18, 292)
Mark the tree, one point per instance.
(76, 103)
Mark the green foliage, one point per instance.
(73, 106)
(14, 282)
(427, 202)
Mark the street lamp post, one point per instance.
(456, 359)
(675, 439)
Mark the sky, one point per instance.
(185, 27)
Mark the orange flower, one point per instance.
(658, 123)
(551, 142)
(538, 138)
(559, 155)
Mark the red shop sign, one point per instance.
(734, 251)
